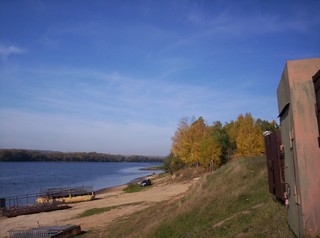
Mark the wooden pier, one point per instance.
(66, 195)
(47, 200)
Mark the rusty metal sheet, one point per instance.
(299, 134)
(275, 162)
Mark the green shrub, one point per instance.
(133, 188)
(95, 211)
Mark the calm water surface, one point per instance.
(19, 178)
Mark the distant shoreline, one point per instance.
(20, 155)
(75, 161)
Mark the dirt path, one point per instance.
(160, 191)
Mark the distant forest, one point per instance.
(19, 155)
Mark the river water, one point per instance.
(20, 178)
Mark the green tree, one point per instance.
(172, 163)
(211, 150)
(265, 125)
(221, 135)
(231, 130)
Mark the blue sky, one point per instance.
(117, 76)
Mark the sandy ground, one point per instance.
(161, 190)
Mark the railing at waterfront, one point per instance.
(18, 201)
(26, 204)
(47, 200)
(66, 192)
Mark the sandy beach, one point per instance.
(162, 189)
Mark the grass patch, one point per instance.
(133, 188)
(162, 175)
(96, 211)
(160, 167)
(189, 173)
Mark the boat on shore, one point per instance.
(66, 195)
(25, 204)
(47, 200)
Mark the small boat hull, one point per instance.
(71, 199)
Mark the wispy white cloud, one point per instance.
(97, 94)
(6, 51)
(229, 23)
(50, 43)
(231, 19)
(256, 24)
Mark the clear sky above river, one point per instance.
(117, 76)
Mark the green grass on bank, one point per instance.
(231, 202)
(96, 211)
(160, 167)
(133, 188)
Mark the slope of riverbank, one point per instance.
(233, 201)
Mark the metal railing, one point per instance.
(18, 201)
(66, 192)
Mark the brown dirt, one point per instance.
(163, 189)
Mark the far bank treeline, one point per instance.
(18, 155)
(197, 144)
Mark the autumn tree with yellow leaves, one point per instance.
(197, 144)
(181, 142)
(249, 138)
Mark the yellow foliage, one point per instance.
(199, 144)
(181, 141)
(249, 139)
(195, 144)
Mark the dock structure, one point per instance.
(64, 231)
(66, 195)
(25, 204)
(46, 200)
